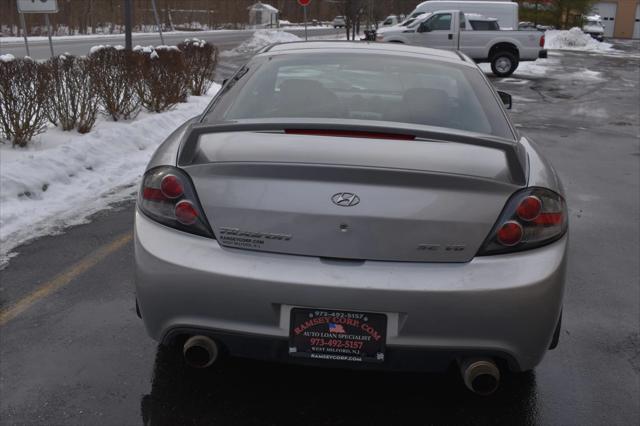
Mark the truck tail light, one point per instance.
(542, 40)
(168, 197)
(531, 218)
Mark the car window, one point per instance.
(365, 87)
(484, 25)
(440, 22)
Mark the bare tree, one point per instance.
(351, 10)
(77, 16)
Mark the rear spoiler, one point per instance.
(514, 152)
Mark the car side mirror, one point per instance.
(424, 28)
(224, 82)
(506, 99)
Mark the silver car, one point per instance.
(354, 204)
(338, 22)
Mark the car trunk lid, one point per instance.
(350, 197)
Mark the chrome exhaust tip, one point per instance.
(480, 375)
(200, 351)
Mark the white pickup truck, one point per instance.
(451, 29)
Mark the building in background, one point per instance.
(263, 15)
(620, 18)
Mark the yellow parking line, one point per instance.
(63, 279)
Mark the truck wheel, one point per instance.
(504, 63)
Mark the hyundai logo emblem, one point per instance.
(345, 199)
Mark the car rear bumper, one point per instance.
(543, 54)
(505, 306)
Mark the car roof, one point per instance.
(390, 49)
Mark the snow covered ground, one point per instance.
(64, 177)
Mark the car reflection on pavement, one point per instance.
(243, 392)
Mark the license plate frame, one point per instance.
(326, 335)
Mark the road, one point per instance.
(73, 351)
(224, 40)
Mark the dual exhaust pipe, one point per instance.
(200, 351)
(480, 375)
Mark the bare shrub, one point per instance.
(72, 99)
(23, 94)
(113, 74)
(200, 61)
(88, 101)
(161, 78)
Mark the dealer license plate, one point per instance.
(337, 335)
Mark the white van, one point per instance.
(506, 12)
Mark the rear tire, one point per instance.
(504, 63)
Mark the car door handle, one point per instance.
(450, 36)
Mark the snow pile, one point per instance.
(259, 40)
(165, 47)
(194, 41)
(96, 49)
(145, 49)
(538, 68)
(7, 58)
(573, 39)
(153, 49)
(64, 177)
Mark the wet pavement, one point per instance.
(81, 356)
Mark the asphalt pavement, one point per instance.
(73, 351)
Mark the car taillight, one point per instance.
(529, 208)
(532, 217)
(168, 197)
(542, 40)
(510, 234)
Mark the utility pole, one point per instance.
(46, 17)
(155, 14)
(24, 33)
(127, 25)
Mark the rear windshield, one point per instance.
(364, 87)
(485, 25)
